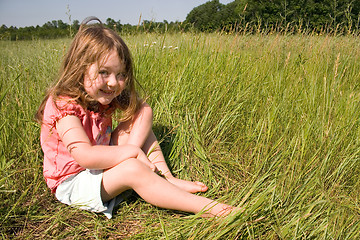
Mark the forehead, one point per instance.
(111, 59)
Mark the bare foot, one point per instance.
(221, 210)
(191, 187)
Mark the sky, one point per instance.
(23, 13)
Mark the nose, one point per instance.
(112, 82)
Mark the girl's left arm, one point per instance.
(74, 137)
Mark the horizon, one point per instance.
(21, 13)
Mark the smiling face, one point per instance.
(104, 83)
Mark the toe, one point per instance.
(203, 187)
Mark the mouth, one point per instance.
(107, 92)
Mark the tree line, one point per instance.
(330, 16)
(59, 29)
(250, 16)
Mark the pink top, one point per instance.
(58, 163)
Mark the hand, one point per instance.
(129, 151)
(143, 158)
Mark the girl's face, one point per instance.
(104, 83)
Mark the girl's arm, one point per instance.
(90, 156)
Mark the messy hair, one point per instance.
(91, 45)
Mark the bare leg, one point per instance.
(168, 192)
(133, 174)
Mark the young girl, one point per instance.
(88, 165)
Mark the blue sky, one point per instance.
(22, 13)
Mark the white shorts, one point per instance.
(83, 190)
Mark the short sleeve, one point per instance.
(63, 108)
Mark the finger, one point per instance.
(150, 165)
(153, 167)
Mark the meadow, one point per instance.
(271, 123)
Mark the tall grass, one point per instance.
(269, 122)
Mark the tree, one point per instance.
(76, 25)
(228, 16)
(62, 25)
(206, 16)
(314, 14)
(110, 23)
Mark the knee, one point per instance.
(135, 173)
(134, 167)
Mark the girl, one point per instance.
(88, 165)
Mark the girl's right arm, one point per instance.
(90, 156)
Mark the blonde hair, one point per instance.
(90, 45)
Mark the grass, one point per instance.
(269, 122)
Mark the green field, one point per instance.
(270, 123)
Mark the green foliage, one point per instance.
(50, 30)
(206, 17)
(335, 17)
(59, 29)
(332, 16)
(269, 122)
